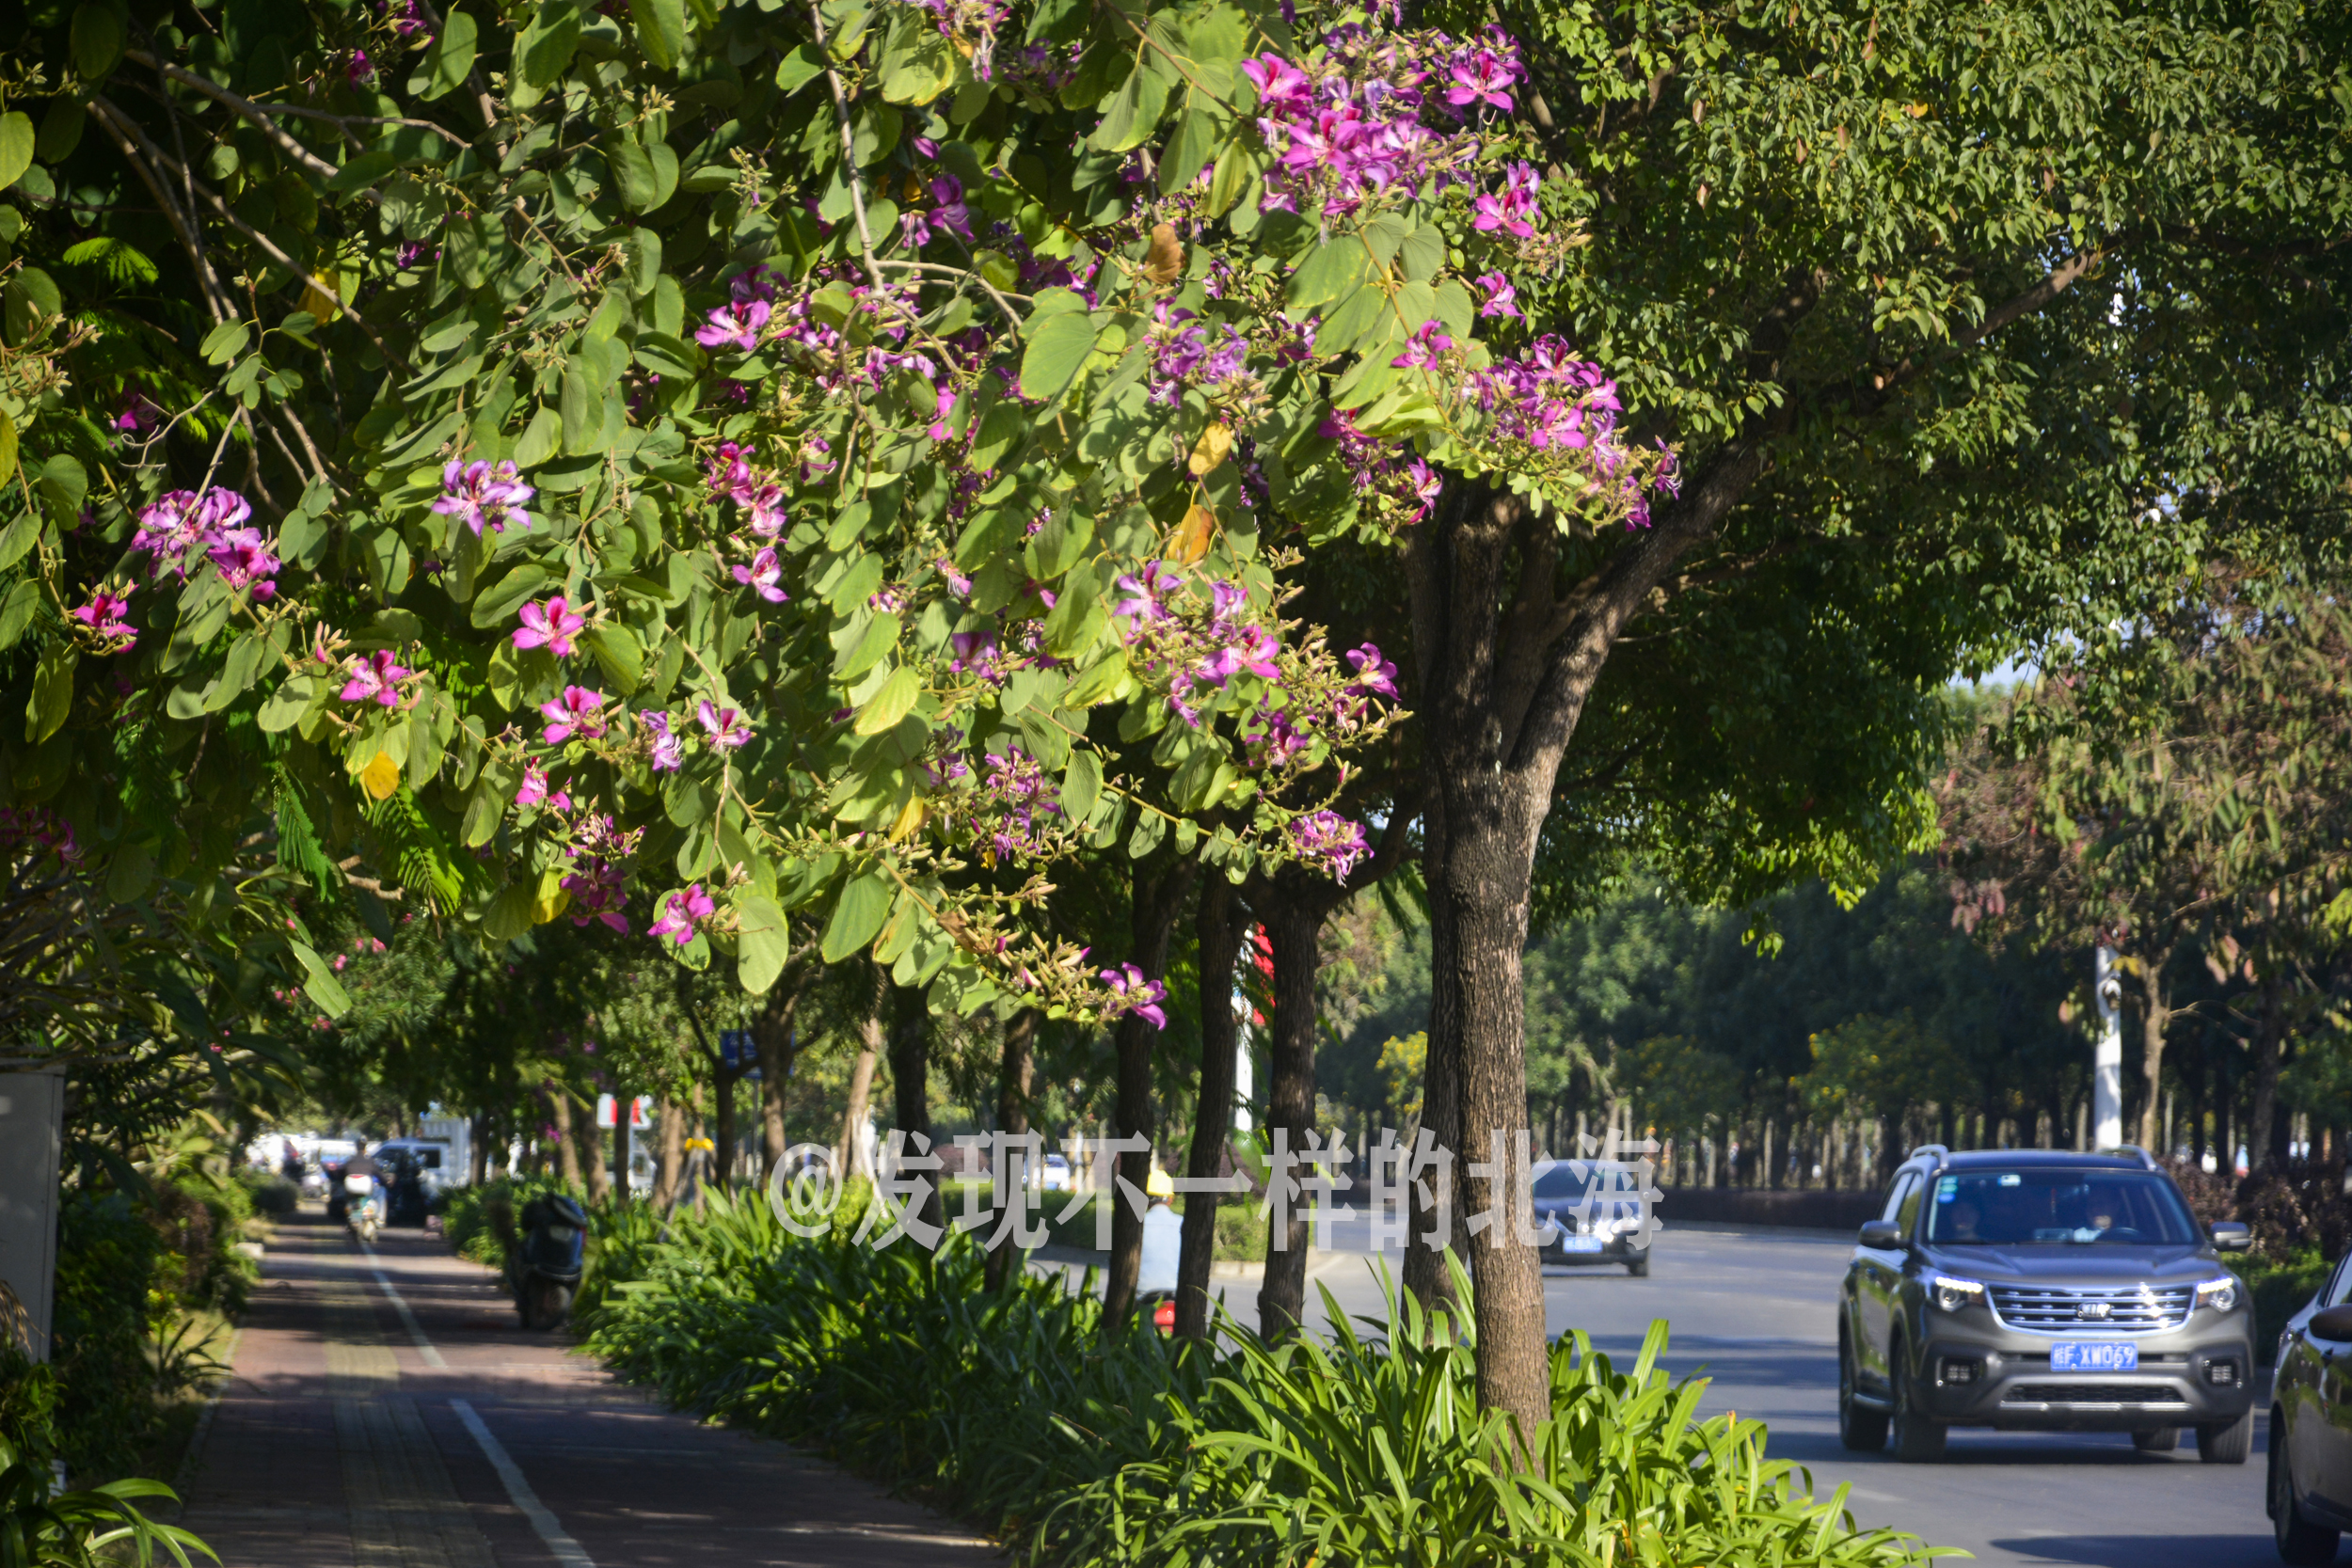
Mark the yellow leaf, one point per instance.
(1215, 442)
(324, 307)
(910, 817)
(549, 905)
(1165, 263)
(1193, 535)
(380, 777)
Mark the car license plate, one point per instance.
(2105, 1356)
(1580, 1244)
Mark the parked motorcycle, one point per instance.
(544, 1263)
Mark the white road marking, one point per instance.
(408, 1320)
(564, 1549)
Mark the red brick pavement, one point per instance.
(337, 1444)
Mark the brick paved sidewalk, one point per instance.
(362, 1430)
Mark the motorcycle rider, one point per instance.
(360, 1164)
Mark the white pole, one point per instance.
(1243, 1073)
(2107, 1062)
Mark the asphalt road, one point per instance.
(1755, 1312)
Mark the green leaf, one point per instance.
(1334, 269)
(16, 147)
(798, 69)
(319, 982)
(660, 29)
(918, 64)
(762, 943)
(1134, 112)
(60, 130)
(880, 636)
(52, 691)
(495, 604)
(632, 172)
(18, 538)
(583, 408)
(857, 915)
(364, 172)
(96, 40)
(1190, 148)
(289, 703)
(1081, 785)
(544, 50)
(237, 671)
(618, 654)
(451, 59)
(225, 341)
(7, 447)
(891, 704)
(1057, 351)
(540, 438)
(16, 613)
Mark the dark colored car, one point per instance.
(1590, 1211)
(2309, 1496)
(2036, 1289)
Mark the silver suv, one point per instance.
(2035, 1290)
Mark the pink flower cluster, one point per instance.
(1329, 841)
(1183, 354)
(175, 523)
(483, 494)
(552, 625)
(1013, 809)
(374, 678)
(38, 830)
(739, 322)
(1132, 995)
(1556, 404)
(680, 914)
(598, 890)
(1192, 650)
(103, 615)
(1375, 112)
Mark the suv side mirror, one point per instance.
(2334, 1323)
(1883, 1234)
(2232, 1236)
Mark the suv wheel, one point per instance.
(2156, 1439)
(1918, 1440)
(1862, 1431)
(1637, 1268)
(2226, 1442)
(2300, 1542)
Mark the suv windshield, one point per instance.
(2006, 1208)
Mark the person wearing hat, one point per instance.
(1163, 1236)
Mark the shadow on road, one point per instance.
(2235, 1549)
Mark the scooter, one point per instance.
(543, 1264)
(365, 1207)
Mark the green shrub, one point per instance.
(2278, 1286)
(270, 1193)
(1019, 1409)
(78, 1529)
(114, 1288)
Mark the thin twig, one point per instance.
(111, 119)
(248, 110)
(848, 150)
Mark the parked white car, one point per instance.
(1054, 1173)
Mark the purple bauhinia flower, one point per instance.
(579, 711)
(550, 626)
(374, 677)
(483, 494)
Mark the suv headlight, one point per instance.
(2219, 1294)
(1952, 1295)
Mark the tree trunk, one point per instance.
(773, 1033)
(567, 1140)
(623, 1111)
(1294, 925)
(2266, 1141)
(2155, 1014)
(478, 1156)
(1159, 896)
(910, 1079)
(669, 1154)
(1013, 1073)
(850, 1150)
(1217, 926)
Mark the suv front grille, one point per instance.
(2085, 1310)
(2092, 1393)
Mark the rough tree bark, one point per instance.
(1506, 658)
(2155, 1015)
(1218, 922)
(1292, 917)
(566, 1141)
(1014, 1071)
(669, 1154)
(2265, 1126)
(910, 1079)
(773, 1033)
(1160, 886)
(850, 1150)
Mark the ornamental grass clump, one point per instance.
(1074, 1441)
